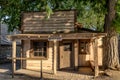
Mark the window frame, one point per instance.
(32, 54)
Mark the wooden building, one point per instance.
(58, 41)
(5, 44)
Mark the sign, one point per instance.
(57, 38)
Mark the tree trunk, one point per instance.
(110, 56)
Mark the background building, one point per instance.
(5, 43)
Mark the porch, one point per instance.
(74, 36)
(61, 75)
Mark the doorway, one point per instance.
(84, 53)
(66, 55)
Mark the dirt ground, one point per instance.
(115, 75)
(5, 74)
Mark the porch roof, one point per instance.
(62, 35)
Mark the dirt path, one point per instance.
(5, 73)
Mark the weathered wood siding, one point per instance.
(76, 53)
(26, 51)
(100, 51)
(36, 22)
(35, 64)
(84, 59)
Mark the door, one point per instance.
(66, 55)
(84, 53)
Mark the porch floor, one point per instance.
(85, 70)
(61, 75)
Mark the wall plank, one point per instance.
(37, 21)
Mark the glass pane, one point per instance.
(40, 54)
(41, 43)
(67, 47)
(40, 49)
(44, 54)
(83, 47)
(35, 54)
(35, 43)
(45, 49)
(45, 44)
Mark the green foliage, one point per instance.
(91, 16)
(116, 22)
(90, 13)
(10, 11)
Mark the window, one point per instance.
(67, 47)
(84, 47)
(39, 49)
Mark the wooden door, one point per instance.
(84, 53)
(66, 55)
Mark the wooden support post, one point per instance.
(76, 54)
(41, 70)
(21, 62)
(55, 55)
(13, 56)
(96, 58)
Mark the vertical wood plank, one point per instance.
(96, 57)
(22, 48)
(21, 59)
(61, 55)
(55, 55)
(76, 54)
(13, 56)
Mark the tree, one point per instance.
(10, 12)
(111, 55)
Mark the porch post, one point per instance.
(55, 55)
(76, 54)
(96, 58)
(13, 56)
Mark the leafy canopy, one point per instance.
(116, 22)
(89, 12)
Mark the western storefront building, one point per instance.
(58, 41)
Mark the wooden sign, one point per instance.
(53, 38)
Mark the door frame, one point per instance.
(82, 56)
(60, 61)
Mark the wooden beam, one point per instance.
(55, 59)
(13, 55)
(76, 43)
(96, 58)
(19, 58)
(63, 36)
